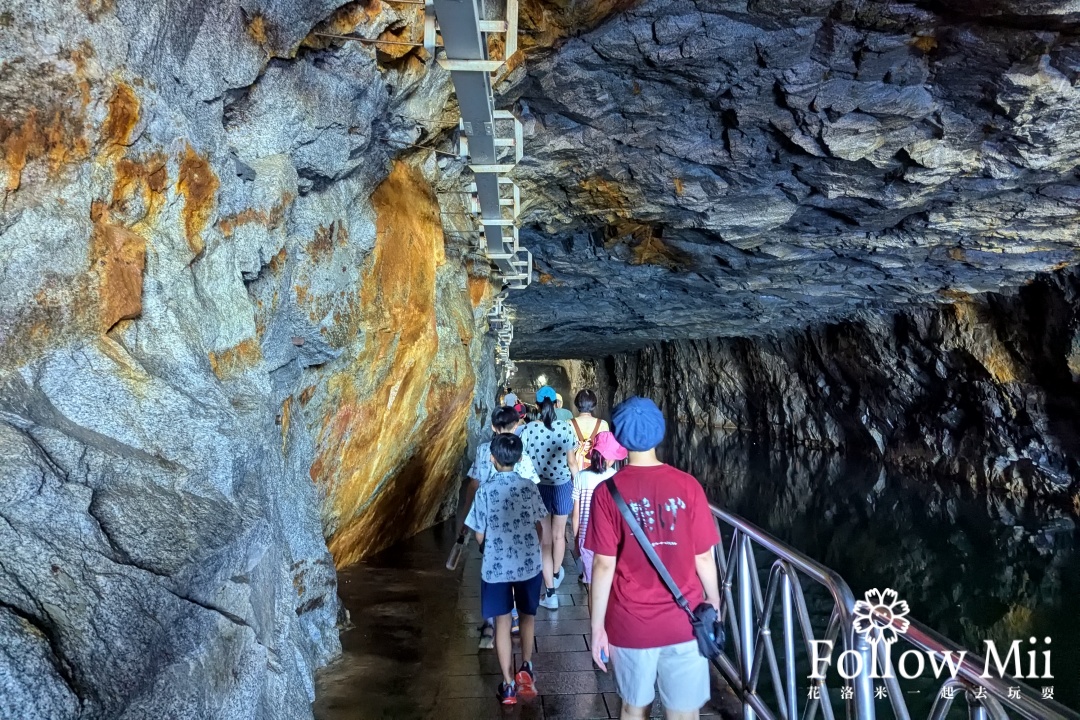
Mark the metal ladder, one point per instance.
(490, 141)
(753, 617)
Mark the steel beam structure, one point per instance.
(490, 139)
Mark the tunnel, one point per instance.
(269, 269)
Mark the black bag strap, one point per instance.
(646, 546)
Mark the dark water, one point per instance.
(951, 553)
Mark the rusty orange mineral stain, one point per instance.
(323, 243)
(924, 43)
(343, 21)
(608, 195)
(144, 179)
(978, 337)
(51, 135)
(396, 432)
(954, 294)
(410, 33)
(651, 250)
(118, 257)
(198, 184)
(257, 31)
(47, 122)
(52, 132)
(233, 361)
(286, 413)
(271, 218)
(479, 290)
(94, 9)
(278, 261)
(121, 120)
(545, 22)
(109, 292)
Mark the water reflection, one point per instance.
(945, 549)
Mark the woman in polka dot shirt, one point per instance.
(551, 444)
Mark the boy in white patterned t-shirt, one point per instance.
(504, 421)
(506, 516)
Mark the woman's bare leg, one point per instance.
(546, 553)
(558, 547)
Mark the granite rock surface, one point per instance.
(236, 347)
(221, 266)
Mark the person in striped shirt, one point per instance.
(605, 452)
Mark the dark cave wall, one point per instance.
(739, 168)
(986, 389)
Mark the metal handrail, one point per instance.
(749, 614)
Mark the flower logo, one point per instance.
(882, 616)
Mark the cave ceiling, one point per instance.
(701, 169)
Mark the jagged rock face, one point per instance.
(985, 389)
(230, 330)
(725, 168)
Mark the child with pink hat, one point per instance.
(605, 452)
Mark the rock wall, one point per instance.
(986, 389)
(741, 168)
(231, 332)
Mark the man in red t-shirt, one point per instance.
(635, 619)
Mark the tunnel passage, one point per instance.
(238, 322)
(531, 376)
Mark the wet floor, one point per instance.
(412, 652)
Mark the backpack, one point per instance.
(585, 444)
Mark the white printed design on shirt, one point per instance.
(644, 513)
(672, 506)
(647, 517)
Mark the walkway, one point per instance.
(412, 652)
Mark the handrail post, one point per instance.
(789, 644)
(864, 683)
(746, 620)
(976, 710)
(995, 703)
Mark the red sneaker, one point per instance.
(526, 683)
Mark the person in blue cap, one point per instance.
(636, 622)
(546, 393)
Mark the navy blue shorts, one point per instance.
(558, 499)
(500, 598)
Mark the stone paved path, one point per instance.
(411, 652)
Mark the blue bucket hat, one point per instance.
(638, 424)
(545, 393)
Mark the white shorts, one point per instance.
(680, 671)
